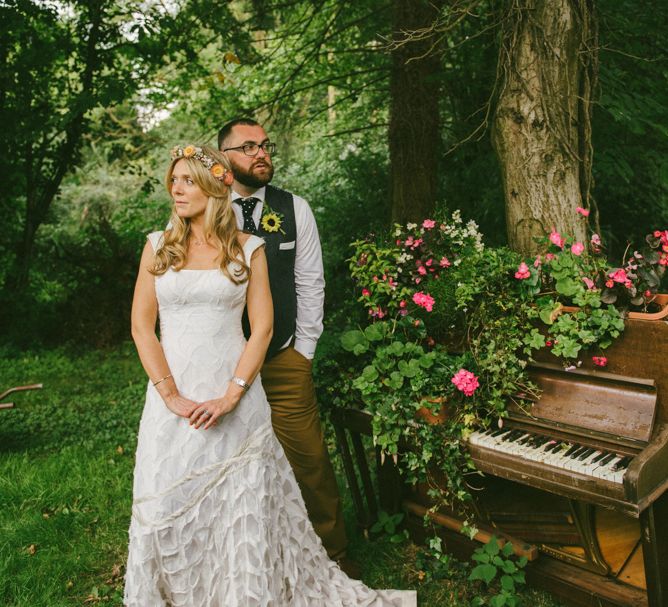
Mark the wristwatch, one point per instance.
(241, 382)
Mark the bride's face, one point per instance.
(189, 199)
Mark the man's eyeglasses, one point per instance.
(252, 149)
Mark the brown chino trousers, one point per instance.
(288, 381)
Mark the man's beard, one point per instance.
(249, 179)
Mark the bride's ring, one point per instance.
(207, 413)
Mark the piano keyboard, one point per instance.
(561, 454)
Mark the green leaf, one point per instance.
(498, 601)
(395, 381)
(535, 340)
(370, 373)
(352, 341)
(507, 583)
(376, 331)
(407, 369)
(484, 572)
(492, 547)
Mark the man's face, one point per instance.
(251, 171)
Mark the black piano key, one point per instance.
(525, 440)
(581, 449)
(542, 440)
(573, 448)
(586, 454)
(599, 456)
(607, 459)
(622, 464)
(512, 436)
(551, 446)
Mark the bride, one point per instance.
(217, 516)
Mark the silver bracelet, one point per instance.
(241, 382)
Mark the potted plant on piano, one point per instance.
(449, 318)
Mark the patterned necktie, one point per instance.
(247, 207)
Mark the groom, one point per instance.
(297, 283)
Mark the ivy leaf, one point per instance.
(535, 340)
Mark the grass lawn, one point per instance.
(66, 461)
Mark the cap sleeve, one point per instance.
(156, 239)
(254, 242)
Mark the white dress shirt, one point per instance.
(309, 274)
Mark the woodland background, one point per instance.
(381, 110)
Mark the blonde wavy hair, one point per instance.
(220, 224)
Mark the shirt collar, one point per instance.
(259, 194)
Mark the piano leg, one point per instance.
(654, 529)
(584, 516)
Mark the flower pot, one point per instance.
(661, 299)
(435, 418)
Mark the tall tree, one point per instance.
(542, 127)
(414, 130)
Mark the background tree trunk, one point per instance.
(414, 131)
(542, 132)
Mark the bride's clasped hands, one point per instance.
(207, 413)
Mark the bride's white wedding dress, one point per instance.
(217, 517)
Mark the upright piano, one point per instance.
(582, 473)
(594, 450)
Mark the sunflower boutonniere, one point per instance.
(271, 220)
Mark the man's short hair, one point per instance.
(225, 132)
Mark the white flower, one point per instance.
(411, 226)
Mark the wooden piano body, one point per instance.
(602, 543)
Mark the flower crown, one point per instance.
(216, 169)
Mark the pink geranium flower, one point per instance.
(537, 262)
(366, 292)
(577, 248)
(428, 224)
(465, 381)
(583, 212)
(444, 263)
(557, 239)
(600, 361)
(523, 272)
(424, 300)
(422, 270)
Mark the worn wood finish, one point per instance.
(600, 403)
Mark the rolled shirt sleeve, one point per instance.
(309, 280)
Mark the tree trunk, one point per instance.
(42, 189)
(542, 126)
(414, 133)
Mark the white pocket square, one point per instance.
(287, 245)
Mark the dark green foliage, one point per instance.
(629, 127)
